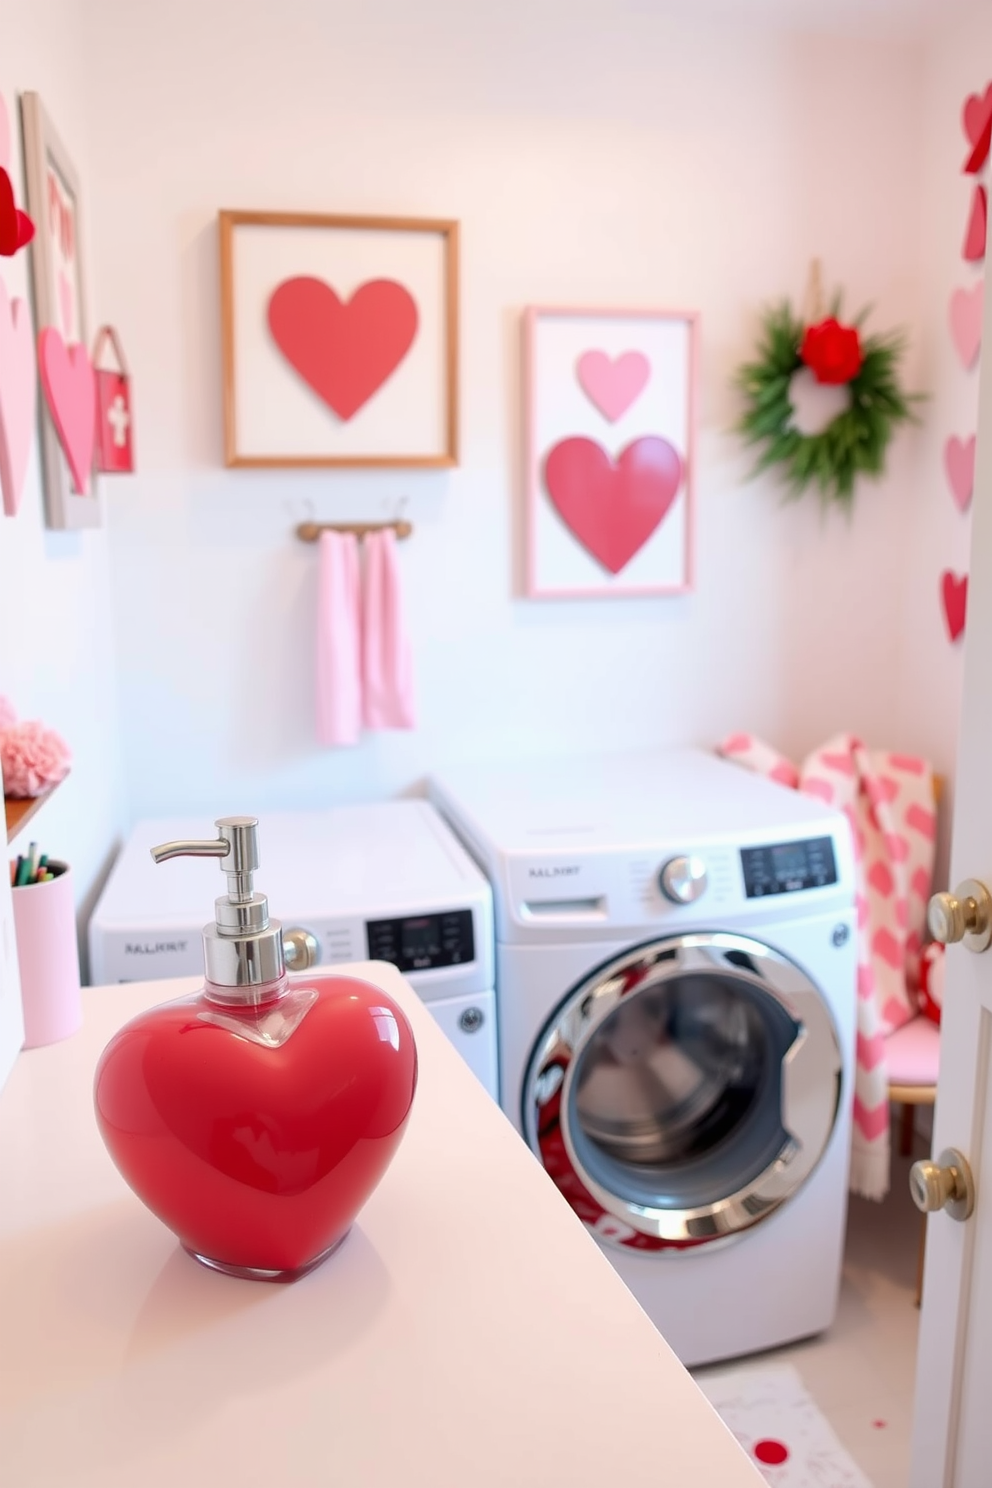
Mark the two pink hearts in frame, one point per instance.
(345, 351)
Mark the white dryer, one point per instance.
(675, 982)
(386, 881)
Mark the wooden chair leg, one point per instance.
(920, 1259)
(906, 1129)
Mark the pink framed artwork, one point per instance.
(609, 449)
(340, 340)
(67, 411)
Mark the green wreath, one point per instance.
(855, 442)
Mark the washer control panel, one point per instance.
(422, 942)
(787, 867)
(683, 879)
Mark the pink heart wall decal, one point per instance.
(954, 593)
(975, 236)
(344, 350)
(613, 507)
(17, 398)
(959, 462)
(966, 321)
(70, 391)
(613, 383)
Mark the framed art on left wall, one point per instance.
(67, 412)
(340, 340)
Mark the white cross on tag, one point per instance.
(119, 419)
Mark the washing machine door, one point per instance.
(684, 1091)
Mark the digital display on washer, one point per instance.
(787, 867)
(421, 942)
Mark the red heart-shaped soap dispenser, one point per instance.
(256, 1117)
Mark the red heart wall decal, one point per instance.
(343, 350)
(613, 507)
(954, 592)
(978, 128)
(16, 227)
(70, 392)
(977, 231)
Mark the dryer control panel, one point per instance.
(423, 942)
(787, 867)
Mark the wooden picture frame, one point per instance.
(340, 340)
(59, 294)
(609, 448)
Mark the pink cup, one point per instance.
(48, 957)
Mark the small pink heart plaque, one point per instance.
(612, 384)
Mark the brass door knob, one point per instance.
(965, 915)
(300, 949)
(944, 1184)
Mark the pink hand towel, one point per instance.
(339, 690)
(387, 671)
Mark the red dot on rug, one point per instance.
(771, 1452)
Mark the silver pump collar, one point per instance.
(243, 947)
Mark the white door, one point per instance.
(952, 1437)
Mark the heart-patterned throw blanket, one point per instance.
(888, 800)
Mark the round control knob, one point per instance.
(965, 915)
(471, 1020)
(300, 950)
(944, 1184)
(683, 879)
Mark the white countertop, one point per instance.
(468, 1333)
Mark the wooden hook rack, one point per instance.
(310, 531)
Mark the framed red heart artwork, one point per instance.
(610, 427)
(65, 416)
(340, 340)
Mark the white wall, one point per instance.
(642, 162)
(57, 659)
(958, 62)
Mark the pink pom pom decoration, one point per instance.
(32, 757)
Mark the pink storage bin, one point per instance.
(48, 956)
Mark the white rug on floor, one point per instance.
(775, 1421)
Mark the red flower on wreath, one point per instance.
(832, 351)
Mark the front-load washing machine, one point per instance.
(676, 984)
